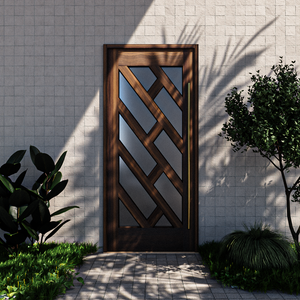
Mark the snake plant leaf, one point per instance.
(30, 231)
(9, 169)
(16, 157)
(20, 179)
(49, 226)
(44, 162)
(57, 189)
(33, 152)
(19, 198)
(7, 219)
(29, 210)
(56, 180)
(6, 183)
(61, 211)
(55, 230)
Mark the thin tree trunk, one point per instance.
(295, 235)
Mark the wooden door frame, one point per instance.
(194, 128)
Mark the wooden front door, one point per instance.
(150, 155)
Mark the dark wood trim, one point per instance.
(195, 169)
(104, 147)
(152, 46)
(110, 190)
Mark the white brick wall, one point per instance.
(51, 94)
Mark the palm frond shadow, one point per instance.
(219, 167)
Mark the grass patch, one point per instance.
(41, 273)
(285, 280)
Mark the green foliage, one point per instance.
(258, 247)
(269, 123)
(41, 272)
(24, 213)
(230, 274)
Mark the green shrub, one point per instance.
(258, 248)
(285, 280)
(24, 213)
(233, 275)
(41, 272)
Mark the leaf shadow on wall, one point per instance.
(234, 188)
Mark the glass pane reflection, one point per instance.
(126, 218)
(170, 152)
(135, 190)
(144, 75)
(170, 109)
(135, 104)
(163, 221)
(135, 147)
(170, 194)
(175, 75)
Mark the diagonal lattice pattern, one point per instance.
(148, 139)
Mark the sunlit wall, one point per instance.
(51, 95)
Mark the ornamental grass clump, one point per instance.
(258, 248)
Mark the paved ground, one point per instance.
(124, 276)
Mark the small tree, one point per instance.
(270, 125)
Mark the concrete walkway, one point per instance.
(154, 276)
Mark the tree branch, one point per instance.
(295, 184)
(263, 155)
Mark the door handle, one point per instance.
(189, 156)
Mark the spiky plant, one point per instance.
(258, 247)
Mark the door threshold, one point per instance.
(153, 252)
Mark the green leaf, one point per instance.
(44, 162)
(7, 219)
(80, 279)
(4, 203)
(29, 210)
(49, 226)
(3, 243)
(30, 231)
(42, 178)
(9, 169)
(56, 180)
(41, 215)
(6, 183)
(13, 211)
(57, 189)
(60, 161)
(20, 179)
(55, 230)
(16, 157)
(61, 211)
(19, 198)
(33, 152)
(35, 186)
(16, 238)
